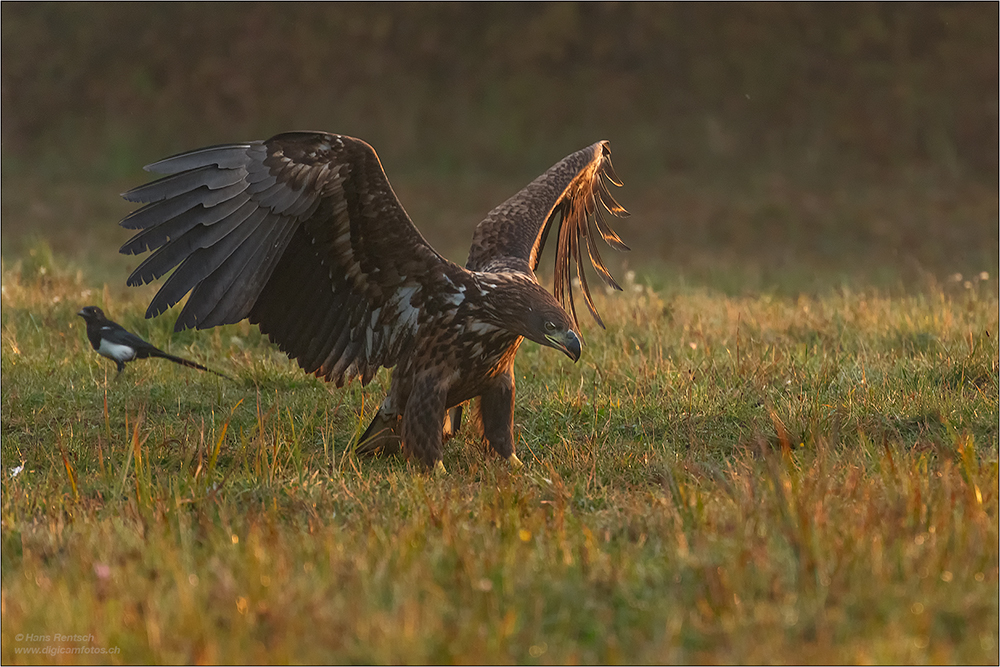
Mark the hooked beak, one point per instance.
(568, 342)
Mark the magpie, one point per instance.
(111, 340)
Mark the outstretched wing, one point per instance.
(512, 236)
(303, 235)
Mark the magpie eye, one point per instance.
(550, 326)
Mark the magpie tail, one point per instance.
(184, 362)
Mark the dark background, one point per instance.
(785, 146)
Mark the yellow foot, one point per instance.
(514, 462)
(439, 469)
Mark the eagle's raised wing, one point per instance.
(572, 191)
(303, 235)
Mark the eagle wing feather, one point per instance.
(568, 195)
(302, 234)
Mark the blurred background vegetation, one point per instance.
(763, 146)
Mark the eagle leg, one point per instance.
(452, 423)
(381, 438)
(422, 428)
(496, 414)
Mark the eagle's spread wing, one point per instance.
(301, 233)
(571, 191)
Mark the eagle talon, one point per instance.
(514, 462)
(439, 469)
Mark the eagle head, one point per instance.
(536, 315)
(558, 333)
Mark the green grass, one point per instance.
(757, 478)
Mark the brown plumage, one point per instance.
(303, 235)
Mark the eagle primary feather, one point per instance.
(303, 235)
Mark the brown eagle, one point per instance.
(303, 235)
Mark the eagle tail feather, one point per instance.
(380, 438)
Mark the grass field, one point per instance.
(720, 479)
(783, 449)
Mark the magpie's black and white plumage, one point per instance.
(113, 341)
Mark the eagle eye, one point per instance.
(550, 326)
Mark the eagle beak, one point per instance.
(568, 342)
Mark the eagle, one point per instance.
(302, 235)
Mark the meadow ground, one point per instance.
(721, 478)
(783, 449)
